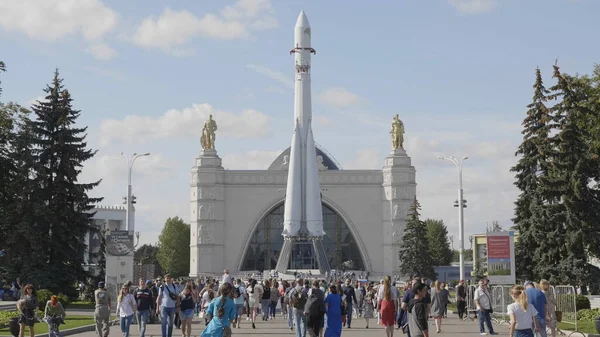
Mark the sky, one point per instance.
(146, 75)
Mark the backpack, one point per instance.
(312, 306)
(298, 299)
(236, 292)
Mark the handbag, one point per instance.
(171, 295)
(491, 309)
(558, 315)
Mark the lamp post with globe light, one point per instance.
(461, 205)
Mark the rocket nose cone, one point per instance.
(302, 20)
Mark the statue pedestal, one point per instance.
(398, 157)
(208, 158)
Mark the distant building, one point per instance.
(452, 272)
(106, 217)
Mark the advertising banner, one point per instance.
(119, 243)
(94, 244)
(501, 257)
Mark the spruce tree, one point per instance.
(60, 150)
(574, 206)
(414, 255)
(530, 170)
(439, 245)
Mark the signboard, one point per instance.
(94, 244)
(501, 257)
(119, 243)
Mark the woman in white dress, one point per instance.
(255, 291)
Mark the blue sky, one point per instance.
(145, 75)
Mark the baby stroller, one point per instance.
(53, 323)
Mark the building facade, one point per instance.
(236, 216)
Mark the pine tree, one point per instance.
(535, 151)
(439, 245)
(415, 258)
(60, 150)
(574, 206)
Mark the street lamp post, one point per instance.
(461, 223)
(129, 202)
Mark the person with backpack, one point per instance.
(314, 310)
(166, 304)
(239, 294)
(298, 297)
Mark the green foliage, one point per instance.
(5, 316)
(468, 255)
(439, 245)
(44, 295)
(588, 315)
(415, 259)
(557, 209)
(582, 302)
(174, 247)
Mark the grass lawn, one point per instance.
(586, 327)
(70, 322)
(81, 305)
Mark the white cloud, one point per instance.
(112, 169)
(280, 77)
(187, 122)
(339, 98)
(275, 89)
(252, 160)
(101, 51)
(365, 159)
(173, 29)
(474, 6)
(52, 20)
(34, 101)
(247, 95)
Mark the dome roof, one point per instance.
(328, 161)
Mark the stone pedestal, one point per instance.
(400, 189)
(207, 215)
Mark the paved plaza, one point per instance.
(278, 327)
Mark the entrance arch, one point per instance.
(265, 243)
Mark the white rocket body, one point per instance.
(303, 194)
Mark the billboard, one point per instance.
(501, 257)
(94, 244)
(119, 243)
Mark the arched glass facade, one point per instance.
(266, 242)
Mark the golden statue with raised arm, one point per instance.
(397, 133)
(208, 134)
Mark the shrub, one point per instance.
(582, 302)
(588, 315)
(64, 300)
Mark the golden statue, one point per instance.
(208, 134)
(397, 133)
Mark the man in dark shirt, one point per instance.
(350, 299)
(143, 298)
(418, 312)
(461, 299)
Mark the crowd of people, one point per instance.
(311, 307)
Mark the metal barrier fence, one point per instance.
(566, 303)
(500, 298)
(471, 307)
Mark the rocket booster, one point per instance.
(303, 193)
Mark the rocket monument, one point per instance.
(303, 215)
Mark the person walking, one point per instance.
(186, 310)
(298, 297)
(220, 312)
(417, 312)
(126, 308)
(166, 302)
(368, 304)
(54, 315)
(461, 300)
(387, 304)
(551, 319)
(537, 298)
(334, 311)
(438, 305)
(28, 306)
(102, 310)
(483, 302)
(522, 314)
(144, 301)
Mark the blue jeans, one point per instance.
(542, 324)
(350, 313)
(300, 321)
(125, 324)
(484, 317)
(523, 333)
(142, 319)
(166, 313)
(290, 316)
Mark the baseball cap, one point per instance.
(148, 282)
(100, 284)
(527, 283)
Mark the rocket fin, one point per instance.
(292, 216)
(314, 211)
